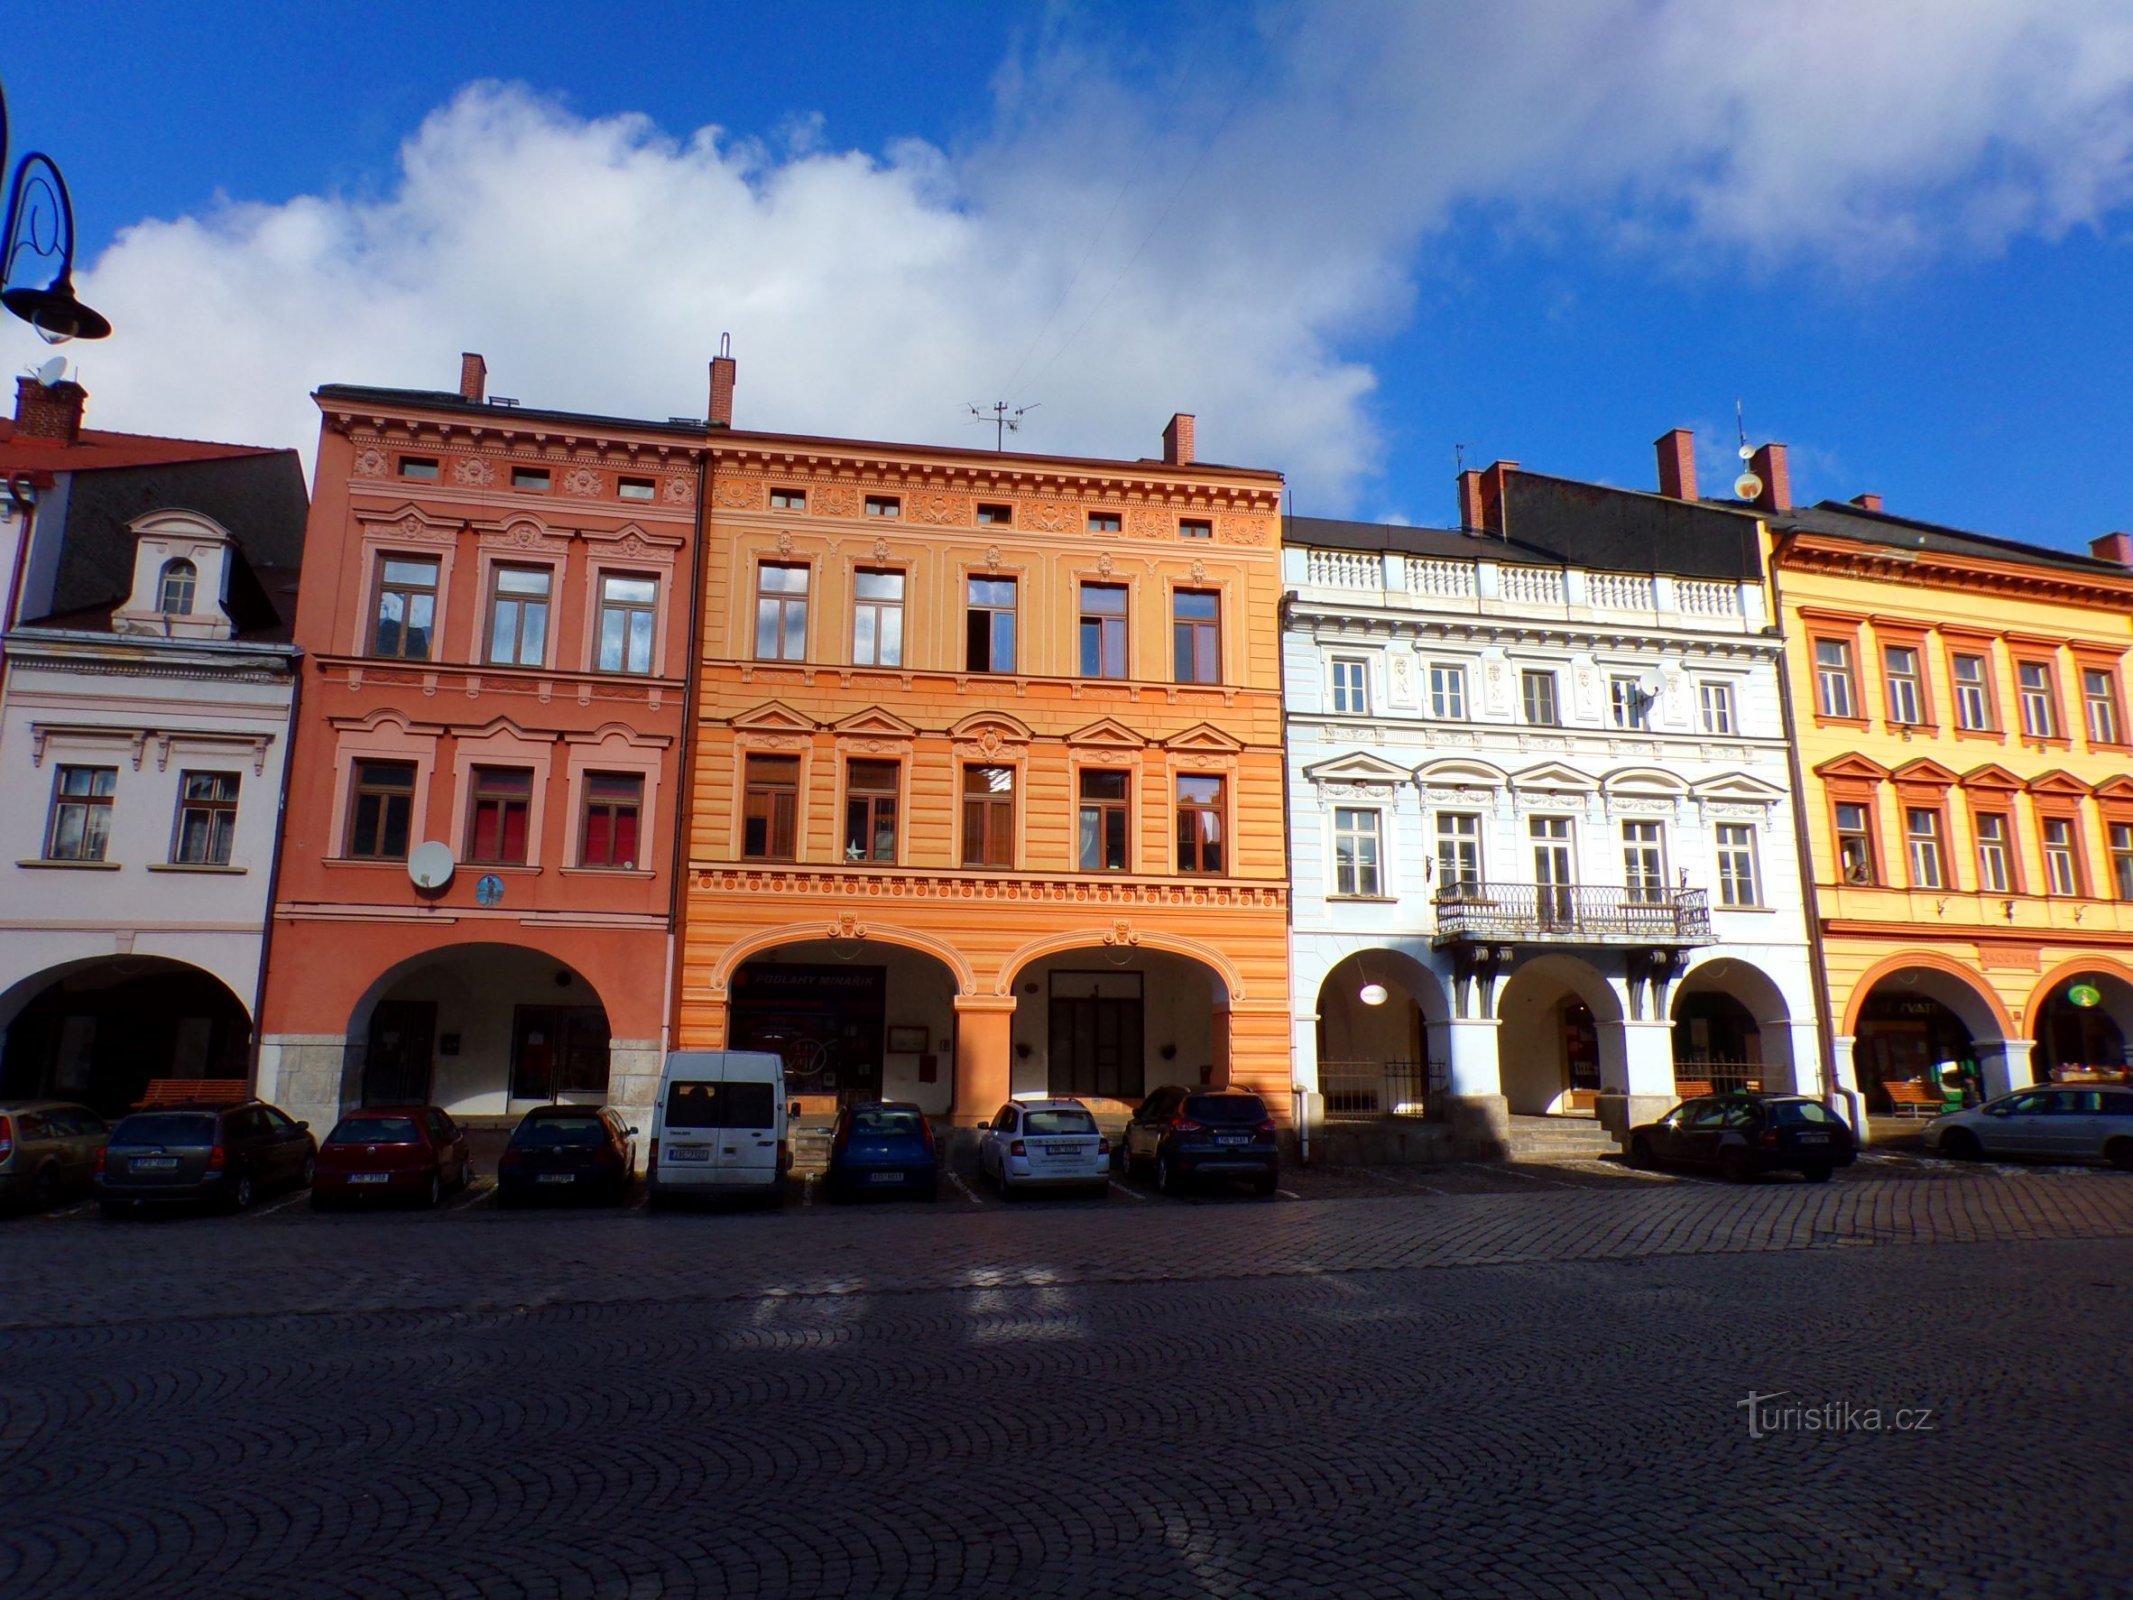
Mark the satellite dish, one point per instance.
(1650, 684)
(1747, 452)
(1747, 486)
(52, 371)
(431, 865)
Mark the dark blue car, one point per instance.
(884, 1147)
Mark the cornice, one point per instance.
(913, 471)
(1323, 625)
(1806, 552)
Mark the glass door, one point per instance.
(1554, 872)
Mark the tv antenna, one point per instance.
(1005, 419)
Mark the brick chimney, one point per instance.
(1867, 502)
(1677, 464)
(1178, 440)
(724, 371)
(50, 412)
(1768, 463)
(2116, 547)
(473, 377)
(1481, 497)
(1470, 499)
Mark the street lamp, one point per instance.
(40, 223)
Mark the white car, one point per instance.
(1045, 1144)
(2068, 1121)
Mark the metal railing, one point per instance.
(1693, 1078)
(1377, 1088)
(1572, 912)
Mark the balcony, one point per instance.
(1571, 914)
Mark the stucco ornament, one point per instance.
(1199, 572)
(583, 481)
(1050, 516)
(474, 472)
(1149, 523)
(740, 494)
(370, 462)
(881, 549)
(1244, 530)
(676, 490)
(784, 544)
(992, 555)
(836, 500)
(1122, 933)
(1104, 564)
(940, 508)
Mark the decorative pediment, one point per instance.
(1460, 774)
(497, 728)
(1108, 732)
(1738, 787)
(2116, 787)
(1853, 766)
(523, 533)
(620, 733)
(2058, 782)
(410, 521)
(773, 716)
(1643, 780)
(1990, 776)
(631, 540)
(385, 720)
(1554, 777)
(1925, 770)
(1002, 727)
(874, 723)
(1205, 737)
(1356, 767)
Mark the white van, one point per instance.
(718, 1126)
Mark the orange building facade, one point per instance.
(476, 889)
(986, 794)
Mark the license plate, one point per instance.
(1814, 1138)
(154, 1163)
(1062, 1149)
(690, 1153)
(885, 1177)
(1233, 1138)
(369, 1177)
(556, 1177)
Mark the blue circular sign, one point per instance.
(490, 891)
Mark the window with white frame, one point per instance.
(1739, 883)
(1351, 686)
(1447, 691)
(518, 616)
(1536, 692)
(1992, 873)
(1714, 702)
(2122, 859)
(2040, 711)
(1355, 851)
(1458, 854)
(2099, 701)
(1627, 703)
(1921, 834)
(1899, 674)
(174, 593)
(877, 617)
(1973, 693)
(1833, 678)
(2062, 856)
(1644, 861)
(1855, 842)
(629, 615)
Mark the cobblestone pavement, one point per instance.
(1224, 1397)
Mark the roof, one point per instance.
(98, 448)
(1842, 520)
(1326, 533)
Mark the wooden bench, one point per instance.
(192, 1091)
(1692, 1088)
(1909, 1098)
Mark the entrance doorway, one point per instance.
(825, 1021)
(558, 1051)
(396, 1067)
(1097, 1035)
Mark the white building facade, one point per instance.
(1544, 847)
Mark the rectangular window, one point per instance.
(1351, 686)
(1992, 873)
(423, 468)
(1537, 691)
(788, 499)
(1458, 855)
(1973, 693)
(629, 615)
(1103, 630)
(1855, 844)
(1921, 833)
(518, 616)
(988, 816)
(870, 810)
(407, 607)
(1899, 671)
(607, 836)
(80, 825)
(1200, 824)
(1195, 528)
(781, 611)
(1554, 869)
(1833, 678)
(2099, 701)
(884, 505)
(2062, 857)
(535, 478)
(996, 516)
(1737, 879)
(2040, 711)
(1627, 703)
(989, 626)
(1355, 851)
(1644, 862)
(1105, 522)
(381, 809)
(1104, 816)
(2122, 859)
(207, 819)
(1447, 691)
(1714, 701)
(636, 488)
(1196, 635)
(770, 808)
(497, 814)
(877, 617)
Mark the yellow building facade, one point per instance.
(1959, 705)
(986, 774)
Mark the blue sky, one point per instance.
(1351, 238)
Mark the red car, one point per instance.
(391, 1153)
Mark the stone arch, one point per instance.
(741, 950)
(1035, 950)
(1954, 986)
(99, 1029)
(1558, 1015)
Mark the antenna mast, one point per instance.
(1005, 419)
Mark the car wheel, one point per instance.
(2119, 1152)
(1267, 1187)
(508, 1199)
(306, 1172)
(241, 1193)
(1733, 1165)
(1816, 1173)
(113, 1209)
(1165, 1179)
(44, 1190)
(436, 1192)
(319, 1202)
(1007, 1189)
(1640, 1155)
(1961, 1144)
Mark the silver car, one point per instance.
(47, 1151)
(1045, 1144)
(2056, 1121)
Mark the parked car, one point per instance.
(1045, 1144)
(719, 1127)
(2069, 1123)
(1181, 1134)
(391, 1153)
(222, 1155)
(882, 1148)
(47, 1151)
(1745, 1134)
(568, 1151)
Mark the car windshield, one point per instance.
(1226, 1108)
(1071, 1120)
(560, 1131)
(375, 1130)
(1801, 1113)
(885, 1124)
(165, 1127)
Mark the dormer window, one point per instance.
(174, 594)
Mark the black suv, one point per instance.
(221, 1154)
(1181, 1134)
(1746, 1134)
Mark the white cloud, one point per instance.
(1221, 240)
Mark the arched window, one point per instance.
(176, 592)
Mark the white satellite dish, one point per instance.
(430, 865)
(1747, 452)
(1747, 486)
(52, 371)
(1649, 686)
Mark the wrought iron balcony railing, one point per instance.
(1572, 914)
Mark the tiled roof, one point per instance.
(97, 449)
